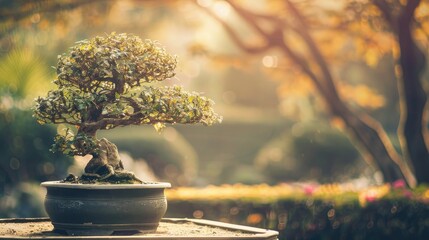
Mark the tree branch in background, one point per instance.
(369, 135)
(368, 132)
(235, 36)
(13, 12)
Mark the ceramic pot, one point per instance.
(94, 209)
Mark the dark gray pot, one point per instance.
(91, 209)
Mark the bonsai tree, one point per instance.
(108, 82)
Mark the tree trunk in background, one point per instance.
(413, 126)
(376, 148)
(367, 133)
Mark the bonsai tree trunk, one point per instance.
(106, 161)
(105, 164)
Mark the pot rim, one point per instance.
(151, 185)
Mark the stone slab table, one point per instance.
(169, 228)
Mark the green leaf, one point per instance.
(159, 126)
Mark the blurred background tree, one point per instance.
(304, 63)
(24, 144)
(311, 39)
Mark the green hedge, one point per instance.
(395, 215)
(24, 148)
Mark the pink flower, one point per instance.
(370, 198)
(309, 189)
(399, 184)
(408, 194)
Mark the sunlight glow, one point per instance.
(219, 7)
(35, 18)
(222, 9)
(205, 3)
(270, 61)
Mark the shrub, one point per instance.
(25, 150)
(312, 211)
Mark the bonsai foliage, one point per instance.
(105, 82)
